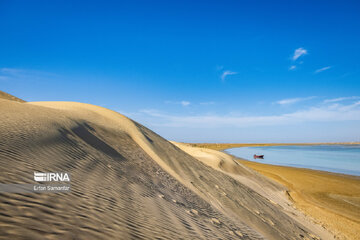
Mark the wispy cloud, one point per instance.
(293, 100)
(313, 114)
(24, 74)
(227, 73)
(11, 71)
(340, 99)
(185, 103)
(298, 53)
(7, 73)
(293, 67)
(322, 69)
(207, 103)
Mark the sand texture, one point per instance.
(130, 183)
(333, 200)
(4, 95)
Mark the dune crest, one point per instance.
(128, 182)
(4, 95)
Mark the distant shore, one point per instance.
(223, 146)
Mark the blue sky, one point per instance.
(195, 71)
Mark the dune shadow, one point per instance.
(82, 131)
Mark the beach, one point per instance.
(331, 199)
(224, 146)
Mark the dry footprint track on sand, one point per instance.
(127, 182)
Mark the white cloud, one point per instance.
(227, 73)
(25, 74)
(298, 53)
(293, 100)
(340, 99)
(350, 107)
(207, 103)
(10, 71)
(331, 113)
(185, 103)
(293, 67)
(322, 69)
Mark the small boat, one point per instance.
(258, 156)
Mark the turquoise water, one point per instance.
(332, 158)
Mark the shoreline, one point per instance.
(224, 146)
(325, 170)
(330, 199)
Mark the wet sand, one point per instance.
(333, 200)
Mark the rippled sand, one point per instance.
(130, 183)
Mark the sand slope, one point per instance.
(4, 95)
(332, 199)
(127, 182)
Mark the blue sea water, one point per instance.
(332, 158)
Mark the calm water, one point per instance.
(332, 158)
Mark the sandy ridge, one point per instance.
(128, 182)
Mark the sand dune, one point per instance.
(4, 95)
(130, 183)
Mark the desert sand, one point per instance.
(4, 95)
(129, 183)
(333, 200)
